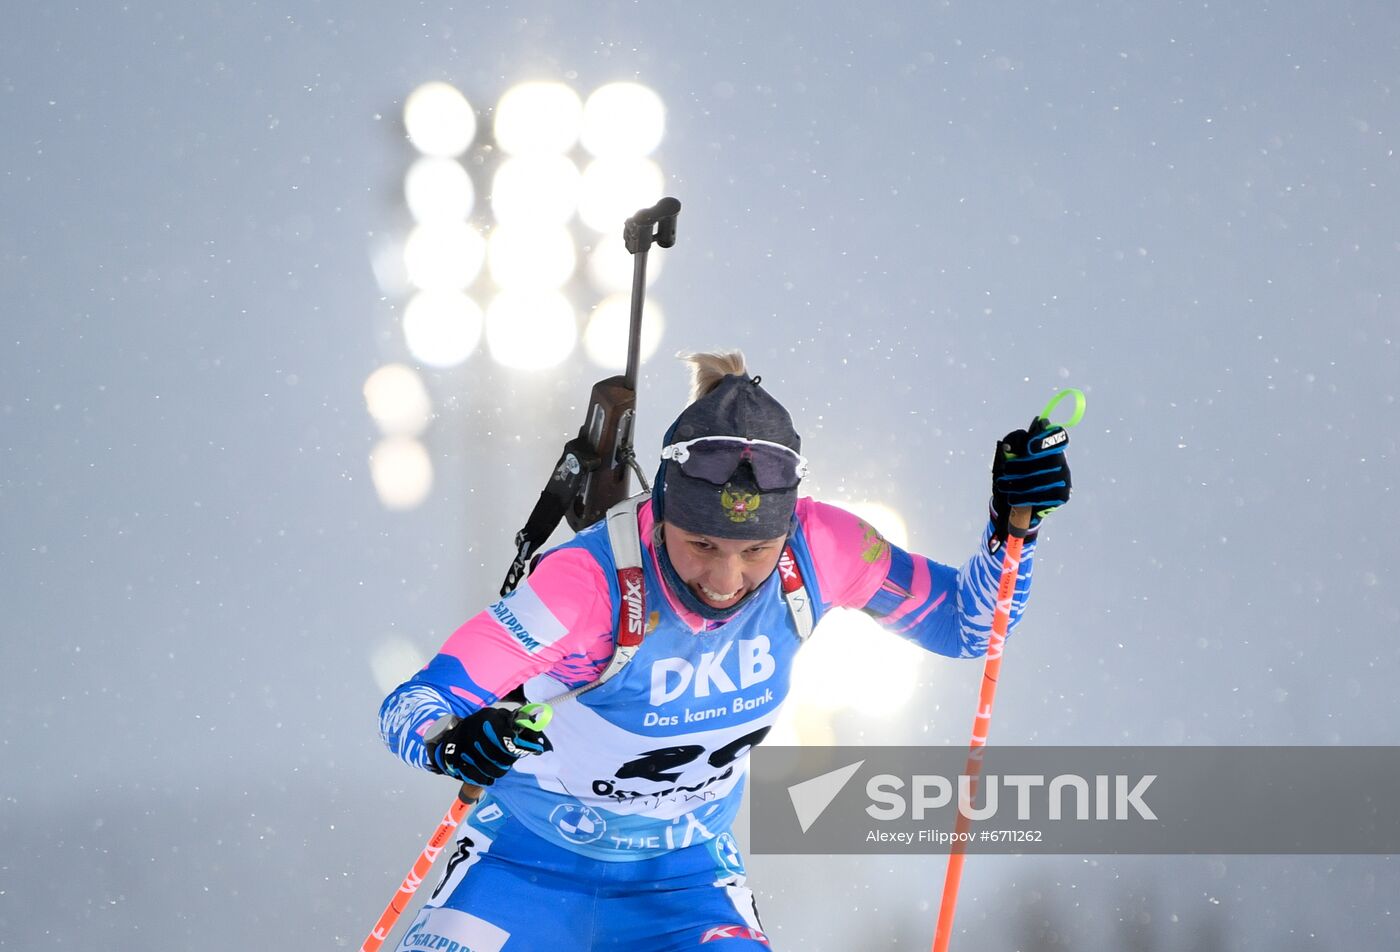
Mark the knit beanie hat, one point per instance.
(730, 489)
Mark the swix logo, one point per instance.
(787, 572)
(671, 677)
(633, 625)
(733, 932)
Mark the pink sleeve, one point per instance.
(851, 558)
(559, 618)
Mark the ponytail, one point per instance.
(708, 369)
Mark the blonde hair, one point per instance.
(707, 369)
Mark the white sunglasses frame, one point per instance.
(680, 452)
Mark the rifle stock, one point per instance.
(607, 432)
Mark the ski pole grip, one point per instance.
(1020, 521)
(535, 717)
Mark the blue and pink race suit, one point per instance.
(646, 771)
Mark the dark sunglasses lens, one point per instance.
(717, 462)
(774, 469)
(713, 462)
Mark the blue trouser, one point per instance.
(508, 890)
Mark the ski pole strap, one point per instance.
(1075, 416)
(535, 717)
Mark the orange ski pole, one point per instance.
(466, 798)
(1010, 566)
(534, 716)
(1020, 523)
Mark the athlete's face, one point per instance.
(721, 571)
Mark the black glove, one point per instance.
(1029, 469)
(480, 748)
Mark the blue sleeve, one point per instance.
(406, 714)
(945, 610)
(559, 620)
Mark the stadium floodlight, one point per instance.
(623, 120)
(605, 337)
(441, 328)
(401, 471)
(613, 189)
(439, 120)
(535, 189)
(443, 256)
(610, 266)
(530, 330)
(438, 189)
(526, 239)
(397, 400)
(538, 118)
(531, 256)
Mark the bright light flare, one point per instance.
(535, 118)
(605, 337)
(850, 659)
(801, 725)
(438, 190)
(401, 471)
(884, 518)
(398, 401)
(623, 120)
(535, 189)
(614, 189)
(441, 328)
(530, 330)
(610, 266)
(439, 120)
(394, 661)
(444, 255)
(522, 257)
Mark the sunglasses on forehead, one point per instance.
(716, 459)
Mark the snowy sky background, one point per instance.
(920, 221)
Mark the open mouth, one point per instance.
(717, 599)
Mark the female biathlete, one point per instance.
(613, 832)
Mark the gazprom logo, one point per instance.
(517, 630)
(528, 619)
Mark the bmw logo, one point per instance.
(578, 823)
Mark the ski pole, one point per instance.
(534, 716)
(1020, 523)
